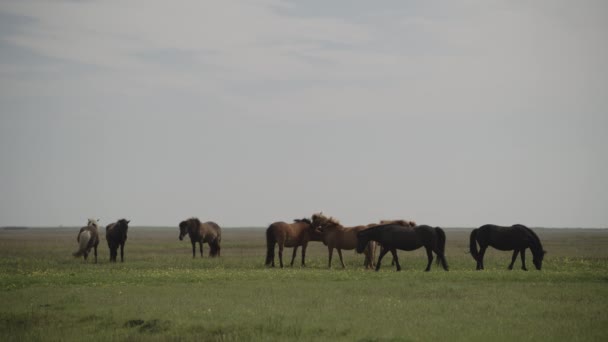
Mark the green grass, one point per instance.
(161, 293)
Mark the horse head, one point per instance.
(93, 222)
(537, 258)
(183, 229)
(362, 241)
(321, 222)
(123, 225)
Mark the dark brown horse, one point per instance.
(88, 238)
(396, 236)
(516, 238)
(208, 232)
(404, 223)
(293, 235)
(116, 235)
(336, 236)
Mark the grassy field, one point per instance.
(161, 293)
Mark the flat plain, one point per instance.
(161, 293)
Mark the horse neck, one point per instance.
(194, 232)
(335, 227)
(535, 246)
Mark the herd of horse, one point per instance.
(387, 235)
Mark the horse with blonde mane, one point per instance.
(88, 238)
(336, 236)
(295, 234)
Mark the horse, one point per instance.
(116, 235)
(404, 223)
(208, 232)
(295, 234)
(88, 237)
(339, 237)
(396, 236)
(516, 238)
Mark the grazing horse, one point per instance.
(295, 234)
(515, 238)
(208, 232)
(335, 236)
(88, 237)
(116, 235)
(396, 236)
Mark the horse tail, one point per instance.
(441, 247)
(83, 242)
(473, 245)
(270, 242)
(215, 248)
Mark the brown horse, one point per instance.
(208, 232)
(334, 235)
(88, 237)
(116, 235)
(293, 235)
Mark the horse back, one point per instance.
(503, 237)
(345, 238)
(399, 236)
(112, 233)
(289, 234)
(209, 231)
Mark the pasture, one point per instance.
(161, 293)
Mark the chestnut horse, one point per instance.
(295, 234)
(208, 232)
(339, 237)
(116, 235)
(88, 237)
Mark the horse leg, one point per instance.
(383, 251)
(513, 258)
(304, 254)
(122, 252)
(523, 259)
(482, 252)
(95, 250)
(86, 254)
(193, 249)
(429, 255)
(293, 257)
(331, 252)
(369, 256)
(281, 246)
(200, 243)
(340, 254)
(396, 259)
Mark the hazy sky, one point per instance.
(245, 112)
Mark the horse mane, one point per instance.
(399, 222)
(321, 220)
(303, 220)
(535, 238)
(194, 220)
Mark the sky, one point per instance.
(246, 112)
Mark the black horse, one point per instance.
(116, 235)
(394, 236)
(515, 238)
